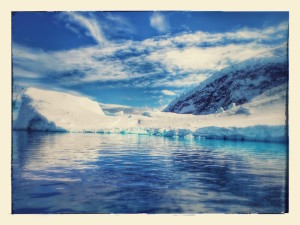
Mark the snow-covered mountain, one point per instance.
(235, 85)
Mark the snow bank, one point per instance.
(55, 111)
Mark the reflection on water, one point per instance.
(107, 173)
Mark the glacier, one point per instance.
(261, 119)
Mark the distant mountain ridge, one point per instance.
(236, 84)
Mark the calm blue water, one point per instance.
(107, 173)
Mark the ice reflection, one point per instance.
(47, 153)
(105, 173)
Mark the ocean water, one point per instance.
(114, 173)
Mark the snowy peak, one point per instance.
(236, 84)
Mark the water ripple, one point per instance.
(108, 173)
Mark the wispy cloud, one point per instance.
(89, 23)
(119, 24)
(168, 61)
(100, 28)
(159, 22)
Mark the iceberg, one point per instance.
(55, 111)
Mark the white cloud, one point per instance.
(99, 29)
(90, 24)
(192, 59)
(243, 34)
(154, 62)
(168, 92)
(85, 65)
(159, 22)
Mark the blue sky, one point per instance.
(136, 58)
